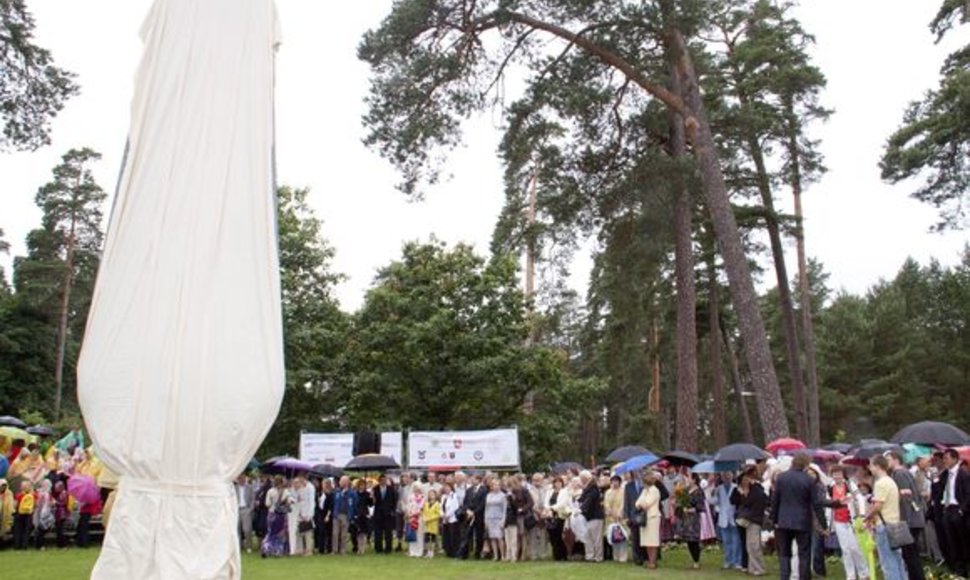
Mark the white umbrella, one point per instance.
(181, 374)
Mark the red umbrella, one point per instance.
(83, 488)
(964, 453)
(785, 444)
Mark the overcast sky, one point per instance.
(878, 56)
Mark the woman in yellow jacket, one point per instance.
(649, 503)
(6, 509)
(431, 514)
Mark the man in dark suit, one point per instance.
(631, 492)
(474, 510)
(793, 502)
(385, 507)
(956, 512)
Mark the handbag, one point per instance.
(640, 518)
(529, 520)
(305, 526)
(898, 533)
(617, 535)
(410, 535)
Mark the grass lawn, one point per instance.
(74, 563)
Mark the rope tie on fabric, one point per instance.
(217, 489)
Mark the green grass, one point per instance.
(76, 564)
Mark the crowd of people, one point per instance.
(885, 514)
(36, 508)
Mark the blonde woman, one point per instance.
(649, 503)
(613, 506)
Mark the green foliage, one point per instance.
(314, 327)
(70, 233)
(32, 89)
(933, 142)
(899, 354)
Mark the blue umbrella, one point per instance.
(635, 463)
(704, 467)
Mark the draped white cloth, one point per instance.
(181, 373)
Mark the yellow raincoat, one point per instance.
(6, 510)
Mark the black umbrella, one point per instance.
(627, 452)
(326, 470)
(565, 467)
(839, 447)
(371, 462)
(867, 452)
(41, 430)
(8, 421)
(932, 433)
(681, 458)
(739, 453)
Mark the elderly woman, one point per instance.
(496, 506)
(613, 506)
(649, 504)
(414, 523)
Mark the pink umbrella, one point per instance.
(784, 444)
(83, 488)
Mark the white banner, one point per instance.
(338, 448)
(494, 448)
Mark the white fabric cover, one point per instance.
(181, 373)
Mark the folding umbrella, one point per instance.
(83, 488)
(9, 421)
(704, 467)
(840, 447)
(181, 372)
(41, 430)
(739, 453)
(784, 444)
(912, 452)
(680, 458)
(371, 462)
(286, 466)
(15, 433)
(636, 463)
(626, 452)
(932, 433)
(326, 470)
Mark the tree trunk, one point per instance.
(771, 407)
(529, 404)
(687, 415)
(62, 320)
(738, 386)
(788, 328)
(804, 289)
(719, 416)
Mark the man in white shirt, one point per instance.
(956, 512)
(245, 499)
(403, 495)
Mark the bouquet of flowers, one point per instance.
(682, 497)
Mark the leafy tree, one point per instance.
(4, 285)
(57, 276)
(934, 140)
(32, 89)
(314, 327)
(440, 343)
(433, 66)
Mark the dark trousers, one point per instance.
(554, 530)
(451, 539)
(743, 541)
(21, 530)
(911, 557)
(59, 532)
(82, 538)
(474, 539)
(784, 539)
(40, 536)
(695, 551)
(957, 536)
(637, 552)
(384, 535)
(818, 554)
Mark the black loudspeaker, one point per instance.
(366, 442)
